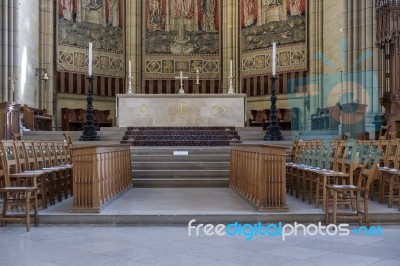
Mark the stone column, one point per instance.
(315, 46)
(133, 39)
(230, 29)
(9, 49)
(46, 54)
(362, 60)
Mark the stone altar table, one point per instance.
(164, 110)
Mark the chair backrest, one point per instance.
(30, 155)
(40, 160)
(21, 156)
(369, 171)
(68, 139)
(11, 157)
(327, 154)
(16, 136)
(52, 153)
(315, 156)
(3, 181)
(46, 154)
(384, 133)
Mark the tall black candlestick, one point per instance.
(273, 130)
(89, 129)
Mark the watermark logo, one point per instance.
(350, 90)
(283, 231)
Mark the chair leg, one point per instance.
(358, 207)
(5, 207)
(325, 196)
(390, 199)
(27, 211)
(326, 207)
(366, 216)
(35, 206)
(317, 193)
(335, 196)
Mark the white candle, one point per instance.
(90, 58)
(197, 77)
(231, 69)
(130, 69)
(273, 59)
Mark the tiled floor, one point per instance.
(171, 245)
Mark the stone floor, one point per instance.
(179, 205)
(171, 245)
(149, 226)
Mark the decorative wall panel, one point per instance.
(98, 21)
(266, 21)
(181, 35)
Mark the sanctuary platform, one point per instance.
(181, 110)
(178, 206)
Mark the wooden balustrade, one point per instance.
(101, 172)
(258, 174)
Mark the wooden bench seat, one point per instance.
(74, 119)
(36, 119)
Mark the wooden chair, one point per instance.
(68, 139)
(360, 192)
(335, 171)
(25, 166)
(19, 190)
(49, 162)
(16, 136)
(389, 174)
(384, 133)
(64, 159)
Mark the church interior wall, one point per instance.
(328, 24)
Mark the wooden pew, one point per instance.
(287, 118)
(36, 119)
(101, 172)
(74, 119)
(258, 174)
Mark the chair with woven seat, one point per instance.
(27, 164)
(19, 190)
(358, 193)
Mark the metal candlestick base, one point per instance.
(273, 130)
(89, 129)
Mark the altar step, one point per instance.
(180, 166)
(181, 136)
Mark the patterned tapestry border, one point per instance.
(100, 22)
(169, 68)
(289, 59)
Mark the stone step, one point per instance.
(188, 165)
(179, 142)
(168, 150)
(175, 173)
(189, 158)
(181, 182)
(180, 132)
(182, 128)
(174, 137)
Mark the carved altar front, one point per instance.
(164, 110)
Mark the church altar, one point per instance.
(164, 110)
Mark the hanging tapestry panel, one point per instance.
(98, 21)
(266, 21)
(181, 35)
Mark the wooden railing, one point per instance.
(101, 172)
(258, 174)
